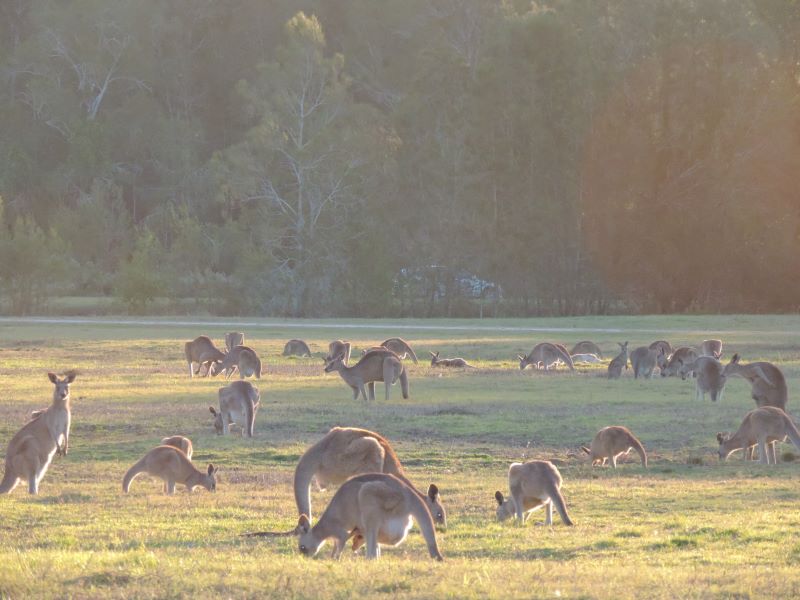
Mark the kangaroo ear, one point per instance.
(303, 525)
(70, 376)
(212, 411)
(735, 359)
(720, 438)
(585, 449)
(211, 470)
(433, 491)
(519, 356)
(52, 377)
(498, 495)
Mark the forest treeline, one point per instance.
(401, 157)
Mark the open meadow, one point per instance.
(688, 526)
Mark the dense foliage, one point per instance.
(411, 157)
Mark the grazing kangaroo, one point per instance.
(296, 348)
(643, 361)
(183, 444)
(347, 451)
(763, 426)
(447, 362)
(547, 355)
(534, 484)
(618, 362)
(586, 347)
(711, 348)
(375, 365)
(585, 358)
(241, 358)
(201, 350)
(378, 506)
(767, 381)
(662, 344)
(173, 466)
(709, 378)
(233, 339)
(32, 449)
(238, 403)
(339, 348)
(611, 442)
(682, 355)
(400, 347)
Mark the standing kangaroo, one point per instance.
(586, 347)
(241, 358)
(201, 350)
(709, 377)
(547, 355)
(173, 466)
(32, 449)
(447, 362)
(767, 381)
(339, 348)
(348, 451)
(611, 442)
(296, 348)
(763, 426)
(534, 484)
(375, 365)
(238, 403)
(681, 356)
(711, 348)
(618, 362)
(643, 361)
(233, 339)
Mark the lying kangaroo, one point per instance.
(547, 355)
(241, 358)
(447, 362)
(32, 449)
(233, 339)
(348, 451)
(238, 403)
(643, 361)
(183, 444)
(534, 484)
(375, 365)
(339, 348)
(682, 355)
(586, 347)
(400, 347)
(296, 348)
(661, 345)
(711, 348)
(201, 350)
(585, 358)
(173, 466)
(618, 362)
(767, 381)
(764, 426)
(709, 377)
(611, 442)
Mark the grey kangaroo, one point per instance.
(375, 365)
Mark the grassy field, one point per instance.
(686, 527)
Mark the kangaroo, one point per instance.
(682, 355)
(32, 449)
(764, 426)
(586, 347)
(611, 442)
(767, 381)
(618, 362)
(183, 444)
(376, 365)
(347, 451)
(173, 466)
(534, 484)
(201, 350)
(447, 362)
(711, 348)
(238, 403)
(241, 358)
(643, 361)
(339, 348)
(233, 339)
(400, 347)
(662, 344)
(709, 377)
(546, 354)
(296, 348)
(585, 358)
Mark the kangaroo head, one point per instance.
(523, 361)
(434, 357)
(61, 391)
(722, 438)
(218, 426)
(210, 480)
(333, 364)
(308, 544)
(505, 506)
(732, 366)
(434, 503)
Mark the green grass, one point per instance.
(686, 527)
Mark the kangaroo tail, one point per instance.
(411, 352)
(132, 473)
(558, 501)
(302, 485)
(9, 480)
(250, 416)
(187, 349)
(637, 445)
(424, 520)
(791, 431)
(258, 367)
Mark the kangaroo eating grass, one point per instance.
(296, 348)
(201, 350)
(233, 339)
(643, 361)
(238, 403)
(619, 362)
(378, 506)
(766, 380)
(681, 356)
(447, 362)
(763, 426)
(611, 442)
(183, 444)
(375, 365)
(546, 355)
(173, 466)
(709, 377)
(241, 358)
(397, 345)
(711, 348)
(534, 484)
(32, 449)
(347, 451)
(339, 348)
(586, 347)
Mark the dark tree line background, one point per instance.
(401, 157)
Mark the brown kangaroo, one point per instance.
(173, 466)
(709, 377)
(618, 362)
(643, 361)
(763, 426)
(238, 403)
(586, 347)
(201, 350)
(547, 355)
(534, 484)
(375, 365)
(32, 449)
(400, 347)
(233, 339)
(682, 355)
(611, 442)
(296, 348)
(241, 358)
(711, 348)
(183, 444)
(447, 362)
(767, 381)
(339, 348)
